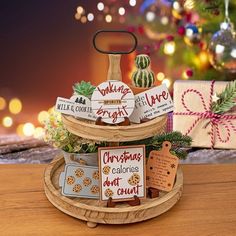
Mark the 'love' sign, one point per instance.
(112, 101)
(152, 103)
(122, 172)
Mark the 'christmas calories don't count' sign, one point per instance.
(152, 103)
(122, 172)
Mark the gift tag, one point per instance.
(77, 105)
(80, 181)
(161, 168)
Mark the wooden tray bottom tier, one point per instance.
(95, 211)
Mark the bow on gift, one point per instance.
(215, 120)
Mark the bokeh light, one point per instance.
(80, 10)
(19, 129)
(100, 6)
(167, 82)
(77, 16)
(169, 48)
(15, 106)
(121, 11)
(90, 17)
(7, 121)
(39, 133)
(150, 16)
(132, 3)
(83, 19)
(160, 76)
(42, 116)
(2, 103)
(28, 129)
(108, 18)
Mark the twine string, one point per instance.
(215, 120)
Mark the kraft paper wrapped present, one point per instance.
(193, 116)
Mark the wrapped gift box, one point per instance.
(192, 115)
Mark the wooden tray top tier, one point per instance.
(88, 129)
(94, 211)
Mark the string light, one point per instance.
(7, 121)
(132, 3)
(167, 82)
(121, 11)
(150, 16)
(169, 48)
(160, 76)
(28, 129)
(90, 17)
(15, 106)
(80, 10)
(2, 103)
(100, 6)
(108, 18)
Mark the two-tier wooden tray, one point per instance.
(95, 211)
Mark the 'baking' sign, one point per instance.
(112, 101)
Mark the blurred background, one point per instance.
(46, 46)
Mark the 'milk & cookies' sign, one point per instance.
(77, 105)
(112, 101)
(152, 103)
(122, 172)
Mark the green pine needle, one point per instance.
(177, 139)
(226, 99)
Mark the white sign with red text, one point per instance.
(112, 101)
(152, 103)
(122, 172)
(77, 105)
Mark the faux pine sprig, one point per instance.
(227, 99)
(179, 143)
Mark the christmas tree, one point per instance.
(186, 39)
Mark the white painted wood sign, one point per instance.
(152, 103)
(122, 172)
(112, 101)
(77, 105)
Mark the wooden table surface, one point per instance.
(207, 207)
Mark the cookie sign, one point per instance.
(112, 101)
(122, 172)
(80, 181)
(161, 168)
(152, 103)
(77, 105)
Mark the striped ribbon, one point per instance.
(216, 121)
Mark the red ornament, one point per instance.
(141, 29)
(181, 30)
(169, 37)
(189, 72)
(131, 29)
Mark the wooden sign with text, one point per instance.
(152, 103)
(122, 172)
(112, 101)
(77, 105)
(161, 168)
